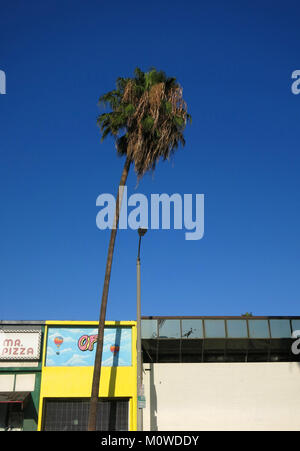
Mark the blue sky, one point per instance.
(234, 61)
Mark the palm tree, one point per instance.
(147, 119)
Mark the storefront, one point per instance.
(69, 353)
(20, 374)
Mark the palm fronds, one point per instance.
(147, 118)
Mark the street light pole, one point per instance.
(141, 233)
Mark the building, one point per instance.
(221, 373)
(67, 371)
(199, 373)
(20, 374)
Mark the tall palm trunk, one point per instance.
(98, 358)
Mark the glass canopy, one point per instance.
(219, 339)
(195, 328)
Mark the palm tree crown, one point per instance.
(147, 119)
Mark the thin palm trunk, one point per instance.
(98, 358)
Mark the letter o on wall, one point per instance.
(83, 342)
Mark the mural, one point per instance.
(76, 346)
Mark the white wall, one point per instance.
(222, 396)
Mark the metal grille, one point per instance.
(72, 415)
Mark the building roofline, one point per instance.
(22, 322)
(222, 317)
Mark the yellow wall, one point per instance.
(68, 382)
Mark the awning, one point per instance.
(14, 397)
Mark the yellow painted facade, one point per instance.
(76, 382)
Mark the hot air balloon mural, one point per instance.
(58, 341)
(76, 346)
(114, 349)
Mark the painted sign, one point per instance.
(20, 345)
(76, 346)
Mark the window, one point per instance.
(191, 351)
(280, 328)
(237, 328)
(192, 328)
(72, 415)
(219, 339)
(214, 350)
(149, 349)
(168, 351)
(169, 328)
(149, 328)
(296, 326)
(214, 328)
(236, 350)
(259, 328)
(258, 350)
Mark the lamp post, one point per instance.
(141, 233)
